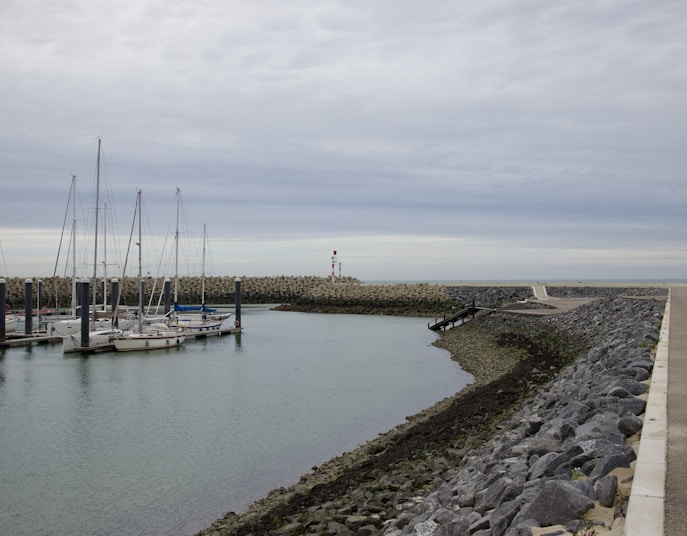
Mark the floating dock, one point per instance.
(20, 339)
(16, 339)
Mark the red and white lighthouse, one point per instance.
(333, 266)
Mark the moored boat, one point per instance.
(150, 339)
(147, 337)
(98, 340)
(10, 323)
(194, 319)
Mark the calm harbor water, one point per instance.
(168, 441)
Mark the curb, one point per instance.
(647, 496)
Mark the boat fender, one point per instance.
(237, 323)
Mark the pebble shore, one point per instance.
(542, 441)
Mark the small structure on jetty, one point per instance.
(452, 318)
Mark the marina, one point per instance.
(14, 339)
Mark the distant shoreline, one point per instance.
(530, 282)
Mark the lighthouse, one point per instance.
(333, 266)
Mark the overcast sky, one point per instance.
(434, 140)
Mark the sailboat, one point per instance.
(154, 336)
(10, 323)
(101, 324)
(192, 318)
(72, 326)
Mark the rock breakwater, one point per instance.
(419, 299)
(505, 455)
(56, 291)
(313, 293)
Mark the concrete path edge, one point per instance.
(647, 496)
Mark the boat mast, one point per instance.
(140, 266)
(202, 284)
(176, 254)
(95, 248)
(73, 246)
(104, 256)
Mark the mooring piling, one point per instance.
(28, 306)
(168, 294)
(115, 293)
(3, 307)
(85, 291)
(237, 301)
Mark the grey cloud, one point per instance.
(548, 121)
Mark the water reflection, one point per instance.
(84, 382)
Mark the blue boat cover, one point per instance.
(182, 308)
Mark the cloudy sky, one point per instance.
(434, 140)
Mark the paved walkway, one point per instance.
(552, 305)
(658, 498)
(676, 460)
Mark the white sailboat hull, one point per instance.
(10, 324)
(97, 340)
(195, 323)
(72, 326)
(148, 341)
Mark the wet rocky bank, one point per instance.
(553, 413)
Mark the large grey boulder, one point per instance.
(629, 424)
(502, 490)
(603, 425)
(633, 387)
(606, 464)
(557, 503)
(502, 516)
(606, 489)
(634, 406)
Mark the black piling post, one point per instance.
(115, 301)
(167, 295)
(77, 295)
(237, 291)
(141, 296)
(28, 307)
(84, 312)
(3, 307)
(115, 293)
(39, 301)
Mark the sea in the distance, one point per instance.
(166, 442)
